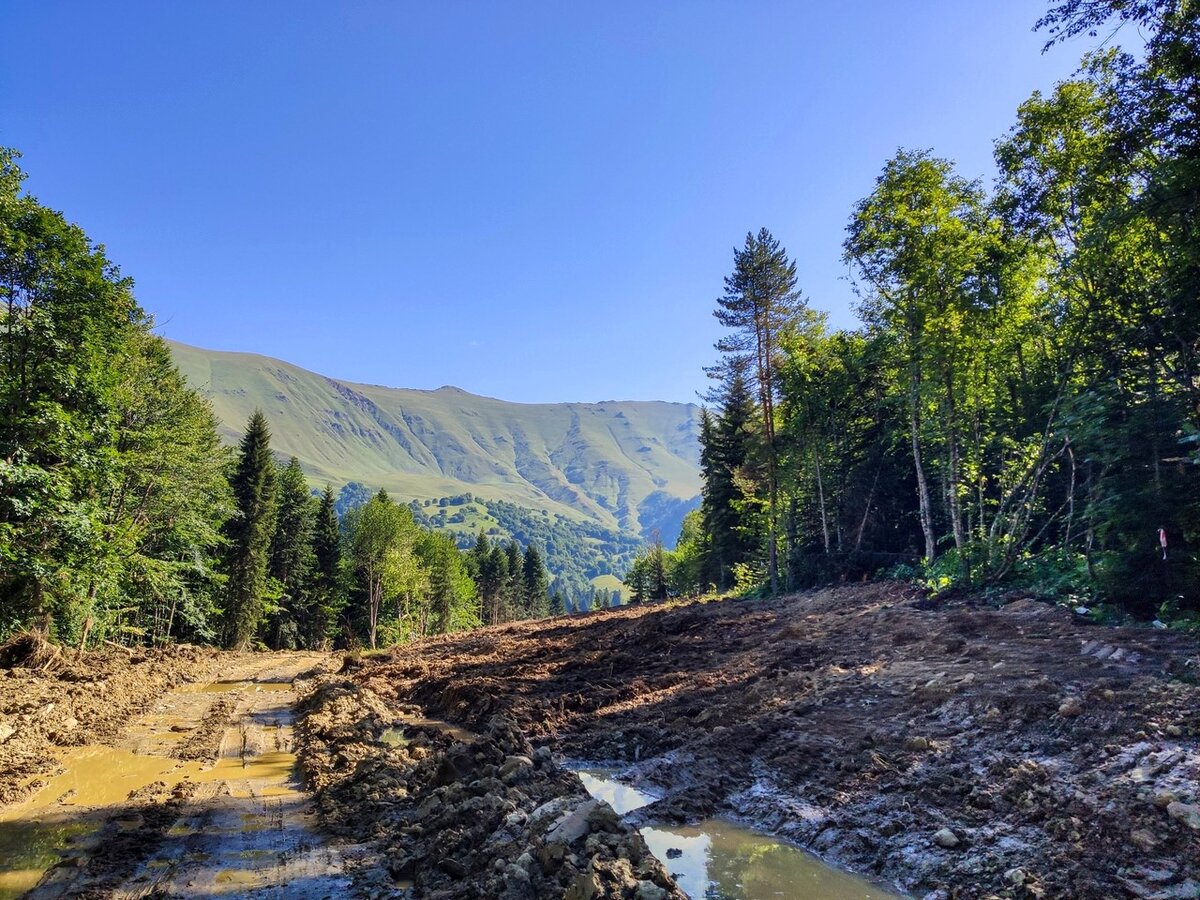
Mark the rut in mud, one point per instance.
(196, 797)
(949, 748)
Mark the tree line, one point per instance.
(123, 518)
(1020, 405)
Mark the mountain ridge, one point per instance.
(626, 464)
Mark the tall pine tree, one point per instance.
(326, 582)
(292, 557)
(250, 531)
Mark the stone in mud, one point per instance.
(1072, 706)
(1144, 840)
(604, 818)
(946, 839)
(514, 764)
(648, 890)
(6, 731)
(1015, 877)
(452, 867)
(1187, 813)
(402, 866)
(1163, 799)
(573, 825)
(674, 853)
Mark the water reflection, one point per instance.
(717, 860)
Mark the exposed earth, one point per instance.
(948, 749)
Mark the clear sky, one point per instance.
(534, 201)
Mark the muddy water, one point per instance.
(716, 859)
(398, 734)
(244, 831)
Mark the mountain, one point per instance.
(627, 465)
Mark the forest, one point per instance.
(124, 519)
(1020, 407)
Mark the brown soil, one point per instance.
(464, 817)
(956, 750)
(175, 788)
(50, 698)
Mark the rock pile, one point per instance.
(451, 819)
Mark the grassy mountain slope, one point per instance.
(629, 465)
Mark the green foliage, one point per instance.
(1020, 407)
(111, 489)
(250, 534)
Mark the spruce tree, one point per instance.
(762, 305)
(537, 603)
(327, 552)
(249, 532)
(514, 583)
(292, 558)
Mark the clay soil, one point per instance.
(52, 697)
(952, 749)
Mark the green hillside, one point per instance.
(627, 465)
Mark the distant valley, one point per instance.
(623, 469)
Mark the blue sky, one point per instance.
(535, 201)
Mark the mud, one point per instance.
(451, 815)
(197, 796)
(53, 698)
(951, 749)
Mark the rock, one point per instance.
(918, 743)
(1159, 624)
(573, 825)
(946, 839)
(1142, 839)
(513, 763)
(6, 731)
(604, 818)
(674, 853)
(1163, 799)
(1015, 877)
(402, 866)
(452, 867)
(1174, 731)
(648, 890)
(1082, 611)
(1187, 813)
(1072, 706)
(584, 887)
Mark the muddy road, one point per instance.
(954, 750)
(939, 749)
(196, 796)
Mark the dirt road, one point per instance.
(195, 797)
(956, 750)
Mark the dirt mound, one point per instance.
(954, 748)
(489, 818)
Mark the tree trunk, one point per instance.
(922, 482)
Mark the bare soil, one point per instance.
(52, 698)
(180, 786)
(953, 749)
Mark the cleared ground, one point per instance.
(954, 749)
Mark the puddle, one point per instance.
(396, 736)
(27, 850)
(226, 687)
(36, 833)
(717, 860)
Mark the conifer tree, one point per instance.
(292, 557)
(250, 533)
(327, 592)
(537, 604)
(514, 584)
(761, 305)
